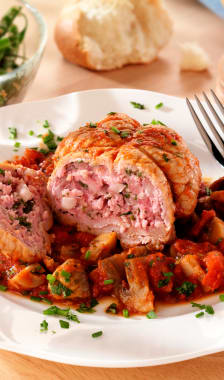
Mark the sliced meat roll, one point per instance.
(114, 190)
(169, 151)
(24, 214)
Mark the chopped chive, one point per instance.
(2, 172)
(156, 122)
(144, 125)
(12, 133)
(208, 191)
(39, 136)
(173, 142)
(108, 282)
(221, 297)
(186, 288)
(50, 278)
(31, 133)
(165, 157)
(125, 313)
(138, 105)
(3, 288)
(66, 275)
(33, 298)
(168, 274)
(87, 254)
(115, 130)
(126, 213)
(208, 308)
(151, 315)
(43, 326)
(59, 138)
(159, 105)
(127, 195)
(112, 308)
(17, 144)
(92, 125)
(198, 315)
(46, 124)
(54, 310)
(124, 134)
(97, 334)
(151, 262)
(219, 241)
(111, 113)
(64, 324)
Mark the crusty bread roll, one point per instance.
(108, 34)
(193, 57)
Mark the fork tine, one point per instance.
(219, 121)
(207, 118)
(217, 101)
(208, 142)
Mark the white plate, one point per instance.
(176, 335)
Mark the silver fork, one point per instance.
(216, 148)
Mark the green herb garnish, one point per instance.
(125, 313)
(186, 288)
(112, 308)
(31, 133)
(138, 105)
(156, 122)
(151, 315)
(115, 130)
(97, 334)
(2, 172)
(221, 297)
(23, 222)
(44, 326)
(124, 134)
(66, 275)
(108, 282)
(12, 132)
(159, 105)
(199, 315)
(51, 279)
(84, 185)
(46, 124)
(208, 191)
(3, 288)
(54, 310)
(64, 324)
(87, 255)
(49, 140)
(208, 308)
(165, 157)
(111, 113)
(33, 298)
(83, 308)
(173, 142)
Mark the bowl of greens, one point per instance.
(23, 36)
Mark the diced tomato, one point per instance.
(206, 217)
(184, 247)
(30, 159)
(214, 277)
(160, 272)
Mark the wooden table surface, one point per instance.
(55, 77)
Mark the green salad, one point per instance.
(11, 38)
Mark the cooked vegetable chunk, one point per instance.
(191, 267)
(101, 247)
(138, 296)
(214, 277)
(28, 278)
(215, 230)
(69, 281)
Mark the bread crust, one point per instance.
(68, 37)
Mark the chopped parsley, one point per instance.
(2, 172)
(46, 124)
(83, 308)
(87, 254)
(3, 288)
(66, 275)
(208, 308)
(112, 308)
(44, 326)
(23, 222)
(93, 125)
(125, 313)
(138, 105)
(186, 288)
(84, 185)
(115, 130)
(111, 113)
(12, 133)
(165, 157)
(97, 334)
(151, 315)
(159, 105)
(64, 324)
(54, 310)
(108, 282)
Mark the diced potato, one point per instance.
(215, 230)
(139, 297)
(140, 250)
(101, 246)
(191, 267)
(28, 278)
(68, 251)
(69, 281)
